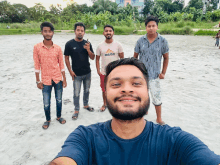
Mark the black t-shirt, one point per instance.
(79, 56)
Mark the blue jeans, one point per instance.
(58, 89)
(86, 79)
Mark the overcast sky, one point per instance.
(47, 3)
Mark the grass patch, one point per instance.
(17, 31)
(205, 33)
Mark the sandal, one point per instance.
(75, 116)
(61, 120)
(90, 109)
(47, 124)
(102, 110)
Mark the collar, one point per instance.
(158, 36)
(42, 44)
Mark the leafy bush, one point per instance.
(180, 24)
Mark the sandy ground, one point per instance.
(191, 96)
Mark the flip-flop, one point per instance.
(90, 109)
(61, 120)
(75, 116)
(103, 109)
(47, 123)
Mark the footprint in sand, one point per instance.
(22, 159)
(66, 101)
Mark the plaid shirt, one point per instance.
(49, 61)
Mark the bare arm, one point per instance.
(63, 161)
(91, 55)
(97, 64)
(67, 61)
(135, 55)
(121, 55)
(39, 85)
(165, 65)
(64, 79)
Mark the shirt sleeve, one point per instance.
(76, 147)
(165, 46)
(36, 60)
(61, 63)
(66, 50)
(98, 52)
(137, 47)
(120, 48)
(192, 151)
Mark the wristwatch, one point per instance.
(38, 82)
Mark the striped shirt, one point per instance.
(49, 61)
(151, 53)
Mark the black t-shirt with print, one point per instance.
(79, 56)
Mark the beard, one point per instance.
(48, 38)
(79, 37)
(128, 115)
(108, 37)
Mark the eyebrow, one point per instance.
(118, 78)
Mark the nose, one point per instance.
(127, 88)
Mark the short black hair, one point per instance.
(47, 24)
(151, 18)
(126, 61)
(79, 24)
(109, 26)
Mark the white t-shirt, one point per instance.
(108, 53)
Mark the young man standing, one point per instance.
(80, 51)
(109, 50)
(48, 59)
(150, 49)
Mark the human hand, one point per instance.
(161, 76)
(87, 46)
(40, 85)
(99, 73)
(73, 75)
(64, 83)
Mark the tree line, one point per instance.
(104, 11)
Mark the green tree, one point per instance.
(197, 4)
(37, 12)
(105, 5)
(148, 4)
(6, 12)
(55, 10)
(21, 13)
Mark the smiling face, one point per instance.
(47, 33)
(108, 33)
(127, 93)
(151, 27)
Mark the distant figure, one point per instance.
(48, 60)
(80, 52)
(8, 27)
(108, 50)
(95, 27)
(217, 40)
(150, 49)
